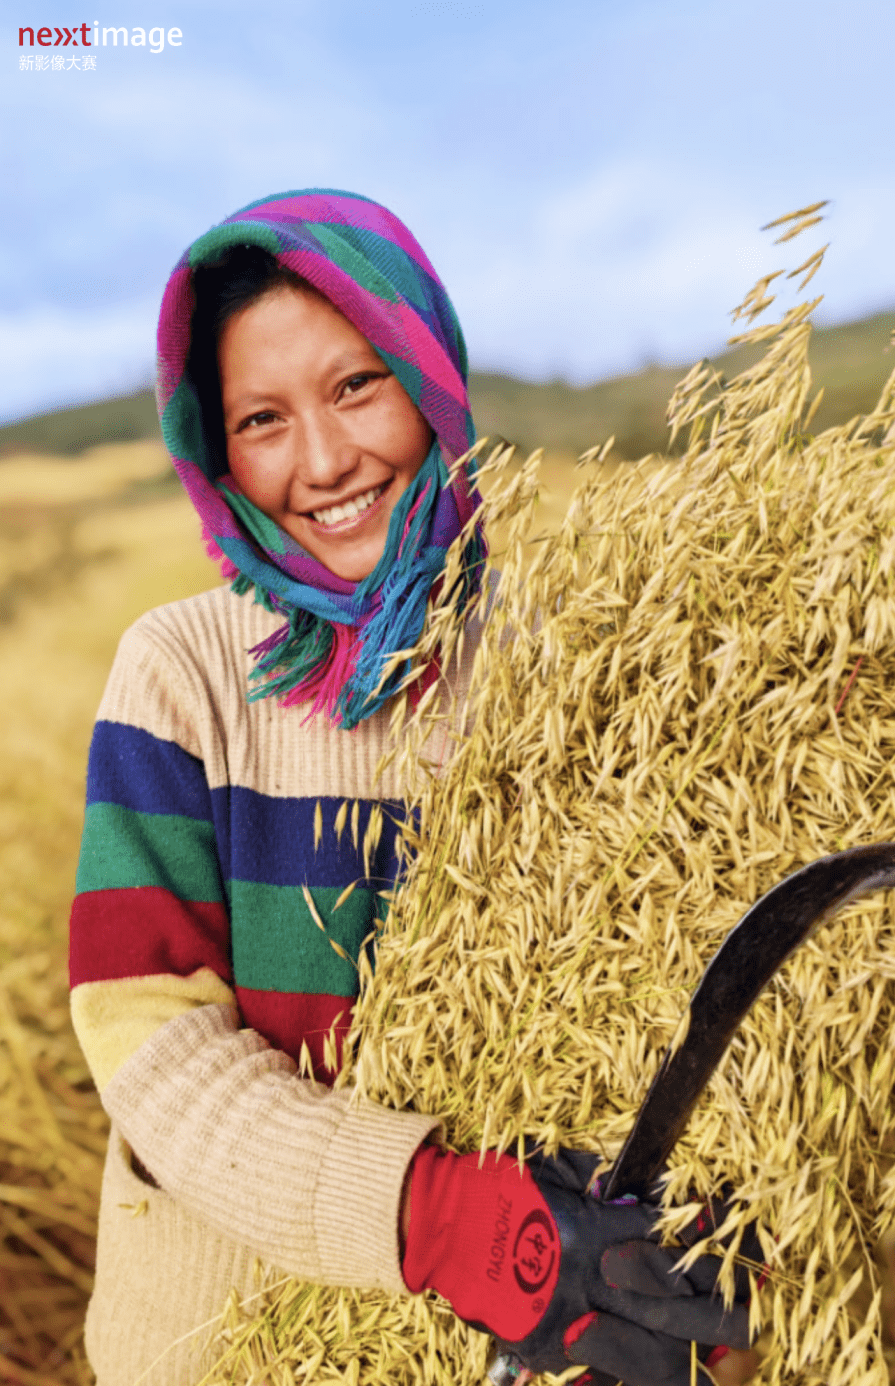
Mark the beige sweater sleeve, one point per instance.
(308, 1178)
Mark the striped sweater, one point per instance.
(228, 860)
(219, 835)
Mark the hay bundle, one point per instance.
(687, 694)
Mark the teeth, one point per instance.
(350, 509)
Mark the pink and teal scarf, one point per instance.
(337, 634)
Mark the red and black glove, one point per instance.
(558, 1277)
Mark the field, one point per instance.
(85, 547)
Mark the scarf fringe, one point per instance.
(306, 658)
(338, 668)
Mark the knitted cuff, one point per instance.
(357, 1203)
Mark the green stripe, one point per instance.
(260, 526)
(277, 946)
(182, 426)
(382, 256)
(219, 239)
(410, 376)
(340, 251)
(122, 848)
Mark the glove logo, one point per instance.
(534, 1252)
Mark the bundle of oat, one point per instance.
(684, 696)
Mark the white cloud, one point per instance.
(601, 278)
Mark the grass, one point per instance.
(66, 432)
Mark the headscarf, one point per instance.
(338, 634)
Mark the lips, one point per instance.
(350, 509)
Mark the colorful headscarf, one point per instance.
(337, 634)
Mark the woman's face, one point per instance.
(320, 434)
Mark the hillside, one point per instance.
(851, 361)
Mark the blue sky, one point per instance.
(588, 178)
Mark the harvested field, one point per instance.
(85, 546)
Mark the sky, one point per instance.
(589, 178)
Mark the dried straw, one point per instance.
(683, 696)
(52, 1141)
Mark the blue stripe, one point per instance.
(260, 838)
(271, 840)
(138, 771)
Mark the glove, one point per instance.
(643, 1268)
(557, 1276)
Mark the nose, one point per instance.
(323, 455)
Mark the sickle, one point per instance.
(752, 952)
(744, 964)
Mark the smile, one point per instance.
(336, 514)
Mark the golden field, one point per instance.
(85, 546)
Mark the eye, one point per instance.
(264, 416)
(356, 383)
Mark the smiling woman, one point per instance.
(319, 433)
(312, 391)
(345, 402)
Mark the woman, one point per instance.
(312, 389)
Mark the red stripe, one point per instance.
(576, 1328)
(145, 931)
(286, 1019)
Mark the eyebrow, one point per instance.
(246, 403)
(354, 358)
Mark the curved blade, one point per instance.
(746, 961)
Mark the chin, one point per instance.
(350, 569)
(351, 564)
